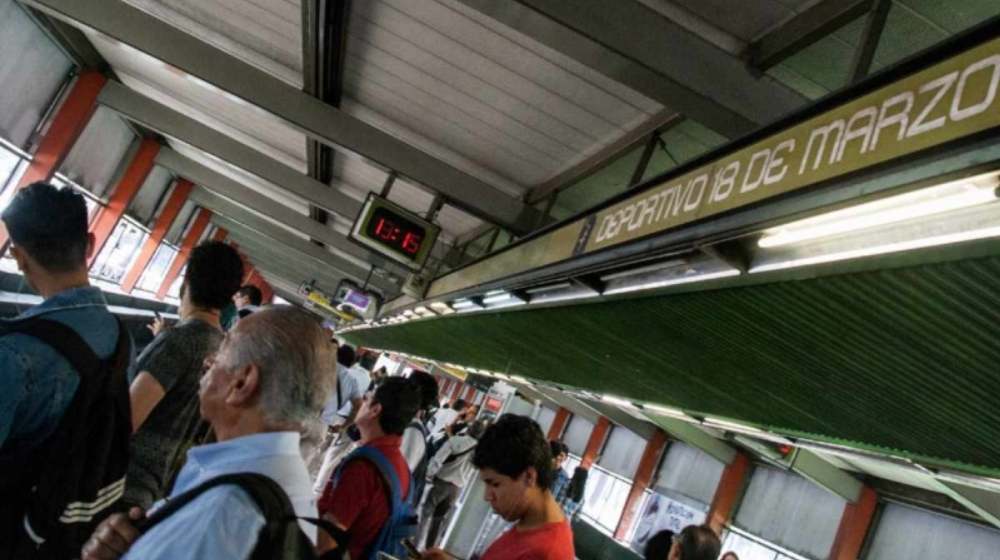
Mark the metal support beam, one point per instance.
(865, 53)
(636, 46)
(241, 221)
(822, 473)
(264, 206)
(983, 503)
(695, 437)
(660, 122)
(324, 38)
(818, 21)
(647, 154)
(131, 26)
(72, 41)
(174, 124)
(261, 252)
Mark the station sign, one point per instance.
(950, 100)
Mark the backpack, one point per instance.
(55, 493)
(419, 476)
(402, 521)
(281, 537)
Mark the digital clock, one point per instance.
(394, 232)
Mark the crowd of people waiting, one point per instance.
(249, 436)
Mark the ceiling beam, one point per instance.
(607, 155)
(826, 475)
(318, 120)
(267, 207)
(805, 28)
(304, 270)
(640, 48)
(237, 218)
(324, 41)
(694, 436)
(142, 110)
(288, 242)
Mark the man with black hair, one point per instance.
(50, 243)
(355, 499)
(339, 411)
(695, 542)
(38, 383)
(658, 546)
(446, 415)
(414, 444)
(515, 464)
(247, 299)
(164, 391)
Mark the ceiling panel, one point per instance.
(265, 33)
(468, 88)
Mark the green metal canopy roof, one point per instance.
(904, 360)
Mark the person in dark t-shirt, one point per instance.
(164, 380)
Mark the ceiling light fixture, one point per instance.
(674, 281)
(889, 210)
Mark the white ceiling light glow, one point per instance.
(889, 210)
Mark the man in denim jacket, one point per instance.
(50, 242)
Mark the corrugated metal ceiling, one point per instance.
(437, 74)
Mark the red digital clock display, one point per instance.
(395, 232)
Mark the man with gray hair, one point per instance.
(268, 380)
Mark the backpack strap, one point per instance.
(264, 491)
(62, 338)
(385, 468)
(456, 456)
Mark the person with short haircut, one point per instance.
(355, 499)
(164, 391)
(561, 482)
(445, 416)
(515, 464)
(414, 444)
(247, 300)
(695, 542)
(266, 382)
(50, 244)
(658, 546)
(447, 474)
(339, 412)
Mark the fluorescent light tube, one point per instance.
(889, 210)
(672, 281)
(933, 241)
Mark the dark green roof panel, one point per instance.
(905, 360)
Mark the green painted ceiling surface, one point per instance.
(905, 360)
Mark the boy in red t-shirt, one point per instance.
(356, 501)
(515, 463)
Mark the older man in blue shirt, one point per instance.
(268, 380)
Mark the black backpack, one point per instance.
(55, 493)
(280, 538)
(417, 479)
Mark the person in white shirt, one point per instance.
(415, 436)
(445, 416)
(447, 473)
(339, 411)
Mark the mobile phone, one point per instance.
(411, 549)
